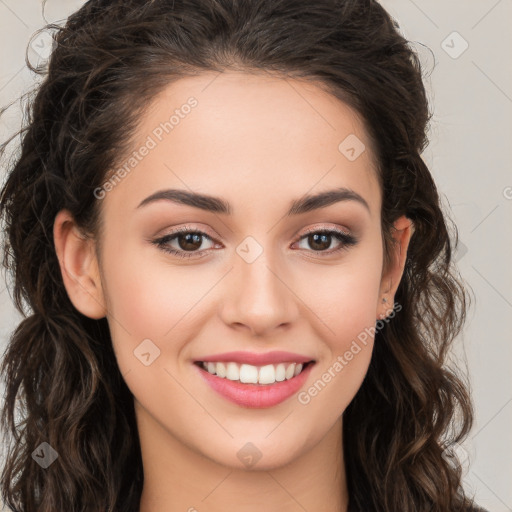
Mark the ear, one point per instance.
(79, 266)
(402, 232)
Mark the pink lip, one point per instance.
(256, 359)
(256, 396)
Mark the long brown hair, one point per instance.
(110, 59)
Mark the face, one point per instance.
(260, 269)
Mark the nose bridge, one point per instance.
(259, 297)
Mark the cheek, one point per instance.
(146, 296)
(348, 347)
(149, 299)
(141, 304)
(344, 297)
(344, 305)
(346, 310)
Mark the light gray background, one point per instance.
(470, 157)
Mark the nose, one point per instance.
(258, 297)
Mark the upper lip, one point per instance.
(257, 359)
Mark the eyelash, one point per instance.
(346, 239)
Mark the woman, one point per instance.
(236, 271)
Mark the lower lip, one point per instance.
(256, 396)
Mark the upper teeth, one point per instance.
(250, 374)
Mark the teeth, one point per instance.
(289, 372)
(220, 369)
(232, 371)
(267, 374)
(250, 374)
(280, 372)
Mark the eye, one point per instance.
(321, 239)
(187, 242)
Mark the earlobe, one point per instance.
(402, 233)
(79, 266)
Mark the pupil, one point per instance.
(323, 237)
(189, 237)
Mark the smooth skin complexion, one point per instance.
(259, 143)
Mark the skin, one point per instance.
(259, 142)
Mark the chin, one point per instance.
(258, 455)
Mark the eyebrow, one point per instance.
(213, 204)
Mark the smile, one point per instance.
(252, 386)
(250, 374)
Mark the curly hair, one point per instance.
(110, 58)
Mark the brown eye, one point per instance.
(320, 241)
(184, 243)
(189, 241)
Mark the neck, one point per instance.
(179, 478)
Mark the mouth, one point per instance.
(255, 387)
(266, 375)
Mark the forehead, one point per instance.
(241, 135)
